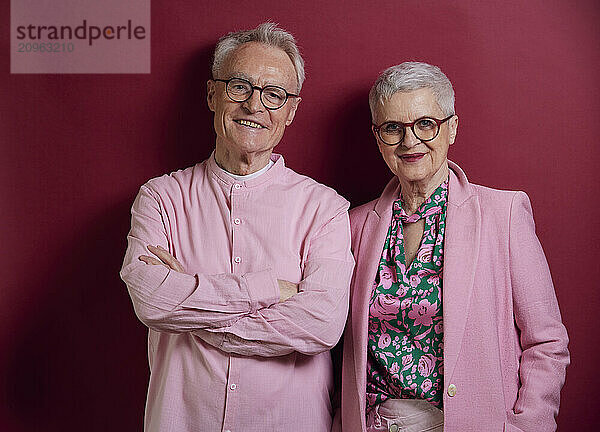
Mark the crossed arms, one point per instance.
(164, 258)
(248, 314)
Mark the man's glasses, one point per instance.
(424, 128)
(240, 90)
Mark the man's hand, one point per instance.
(286, 289)
(165, 259)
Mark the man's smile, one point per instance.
(249, 123)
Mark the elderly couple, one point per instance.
(243, 271)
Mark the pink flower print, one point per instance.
(432, 210)
(424, 272)
(395, 368)
(425, 253)
(415, 281)
(385, 307)
(384, 341)
(407, 361)
(426, 385)
(426, 365)
(412, 218)
(434, 280)
(405, 303)
(373, 326)
(387, 277)
(402, 268)
(402, 289)
(439, 327)
(423, 312)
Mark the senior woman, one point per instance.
(454, 323)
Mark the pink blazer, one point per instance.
(505, 347)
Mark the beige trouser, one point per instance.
(405, 415)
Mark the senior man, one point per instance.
(239, 266)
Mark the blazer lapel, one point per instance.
(461, 251)
(369, 251)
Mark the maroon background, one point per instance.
(75, 149)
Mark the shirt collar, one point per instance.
(273, 170)
(243, 178)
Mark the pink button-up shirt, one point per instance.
(224, 353)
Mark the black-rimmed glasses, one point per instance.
(240, 90)
(424, 128)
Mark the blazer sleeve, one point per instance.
(543, 337)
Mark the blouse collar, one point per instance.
(434, 204)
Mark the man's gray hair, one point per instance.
(267, 33)
(410, 76)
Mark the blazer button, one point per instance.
(393, 428)
(451, 390)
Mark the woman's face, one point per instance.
(413, 160)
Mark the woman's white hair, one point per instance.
(267, 33)
(410, 76)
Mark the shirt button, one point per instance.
(451, 390)
(237, 186)
(233, 386)
(394, 428)
(237, 221)
(237, 260)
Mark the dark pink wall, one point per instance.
(75, 149)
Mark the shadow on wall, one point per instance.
(357, 168)
(76, 363)
(188, 124)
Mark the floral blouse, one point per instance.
(405, 346)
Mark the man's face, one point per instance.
(414, 160)
(249, 127)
